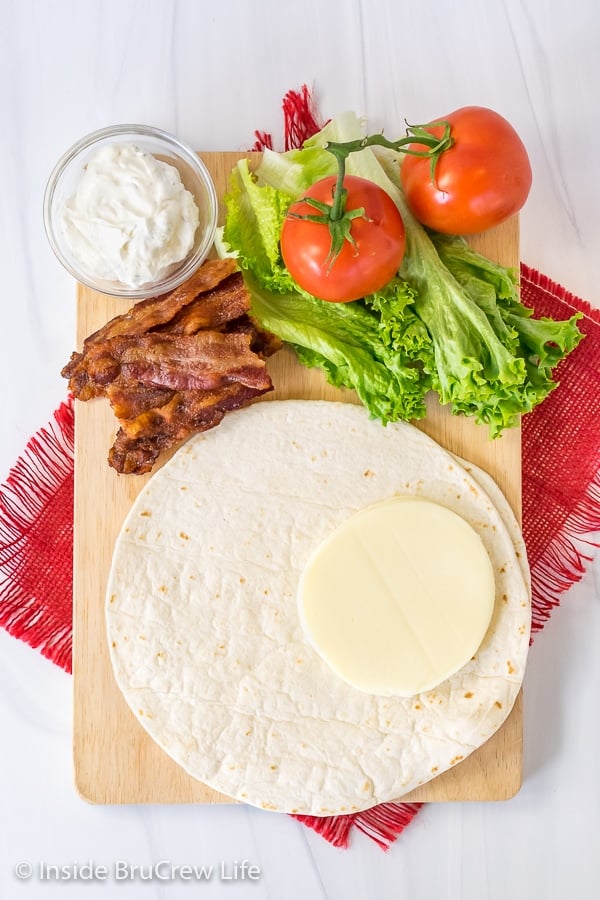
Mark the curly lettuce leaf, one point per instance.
(346, 341)
(253, 225)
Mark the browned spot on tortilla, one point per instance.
(113, 597)
(502, 570)
(266, 592)
(299, 660)
(242, 579)
(163, 589)
(522, 629)
(468, 695)
(146, 513)
(498, 704)
(510, 667)
(183, 487)
(184, 536)
(367, 786)
(505, 598)
(418, 706)
(273, 767)
(434, 768)
(114, 643)
(368, 473)
(142, 637)
(456, 759)
(160, 654)
(249, 732)
(450, 467)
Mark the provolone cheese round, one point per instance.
(399, 597)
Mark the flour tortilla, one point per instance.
(203, 627)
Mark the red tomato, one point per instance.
(357, 270)
(483, 179)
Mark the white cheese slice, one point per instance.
(399, 597)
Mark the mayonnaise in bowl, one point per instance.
(131, 218)
(131, 211)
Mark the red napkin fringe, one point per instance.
(36, 535)
(381, 823)
(300, 121)
(559, 549)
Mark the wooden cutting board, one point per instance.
(114, 759)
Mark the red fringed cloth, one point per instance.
(561, 503)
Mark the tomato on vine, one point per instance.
(481, 180)
(343, 258)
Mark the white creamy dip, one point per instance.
(131, 218)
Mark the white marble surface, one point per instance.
(212, 73)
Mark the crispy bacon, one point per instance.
(148, 314)
(140, 441)
(174, 365)
(215, 308)
(217, 278)
(131, 400)
(202, 361)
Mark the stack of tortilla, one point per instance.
(203, 625)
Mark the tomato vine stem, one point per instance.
(334, 214)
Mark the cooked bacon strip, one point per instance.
(139, 442)
(155, 311)
(148, 314)
(129, 399)
(202, 361)
(263, 342)
(173, 365)
(215, 308)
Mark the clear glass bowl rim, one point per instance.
(187, 153)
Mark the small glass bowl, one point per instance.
(64, 180)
